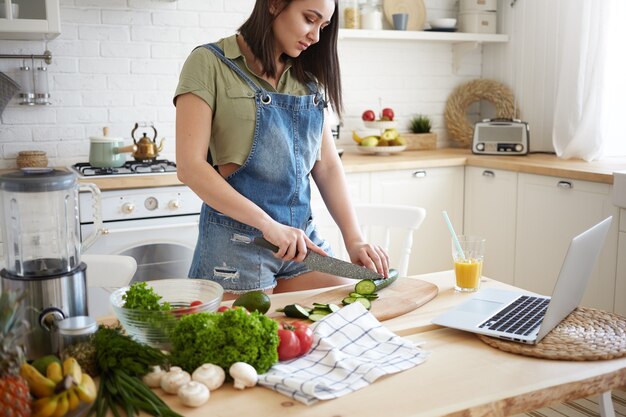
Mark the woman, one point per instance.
(249, 131)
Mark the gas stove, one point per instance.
(158, 166)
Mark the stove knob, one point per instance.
(128, 208)
(174, 204)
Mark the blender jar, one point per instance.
(40, 212)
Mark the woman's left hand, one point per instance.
(370, 256)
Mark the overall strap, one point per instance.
(220, 54)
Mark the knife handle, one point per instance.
(260, 241)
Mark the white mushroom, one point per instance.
(153, 378)
(210, 375)
(244, 375)
(193, 394)
(174, 379)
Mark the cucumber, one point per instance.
(356, 295)
(382, 283)
(296, 311)
(372, 286)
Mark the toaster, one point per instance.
(501, 137)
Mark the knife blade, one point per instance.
(327, 264)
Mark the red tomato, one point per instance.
(295, 340)
(305, 335)
(368, 115)
(223, 309)
(195, 303)
(388, 113)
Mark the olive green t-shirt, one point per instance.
(230, 98)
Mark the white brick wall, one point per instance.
(117, 62)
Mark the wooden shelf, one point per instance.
(451, 37)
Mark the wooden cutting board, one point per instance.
(401, 297)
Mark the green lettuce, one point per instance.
(225, 338)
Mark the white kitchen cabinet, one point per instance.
(490, 212)
(37, 19)
(359, 190)
(550, 211)
(620, 277)
(435, 189)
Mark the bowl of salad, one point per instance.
(149, 310)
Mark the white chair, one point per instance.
(109, 271)
(392, 227)
(105, 273)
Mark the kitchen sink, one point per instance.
(619, 189)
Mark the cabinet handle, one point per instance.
(488, 173)
(419, 174)
(565, 185)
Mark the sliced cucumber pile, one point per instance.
(365, 291)
(317, 312)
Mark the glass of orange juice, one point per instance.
(468, 264)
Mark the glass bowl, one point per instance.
(153, 327)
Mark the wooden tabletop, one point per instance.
(462, 376)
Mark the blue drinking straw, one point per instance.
(453, 233)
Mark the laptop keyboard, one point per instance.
(519, 317)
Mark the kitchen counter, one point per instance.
(353, 161)
(462, 376)
(539, 163)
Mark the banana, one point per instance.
(87, 390)
(44, 407)
(71, 367)
(54, 372)
(72, 398)
(40, 386)
(62, 406)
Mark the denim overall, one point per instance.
(275, 176)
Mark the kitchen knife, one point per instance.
(327, 264)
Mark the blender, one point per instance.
(40, 226)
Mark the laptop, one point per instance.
(527, 318)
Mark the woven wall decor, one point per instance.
(459, 127)
(586, 334)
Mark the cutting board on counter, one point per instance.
(401, 297)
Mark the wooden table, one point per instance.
(462, 377)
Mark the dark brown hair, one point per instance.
(318, 63)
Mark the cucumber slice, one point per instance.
(371, 296)
(348, 300)
(296, 311)
(320, 311)
(333, 308)
(316, 317)
(366, 286)
(355, 295)
(366, 303)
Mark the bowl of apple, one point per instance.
(388, 141)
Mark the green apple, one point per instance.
(369, 141)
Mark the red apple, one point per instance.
(368, 116)
(387, 114)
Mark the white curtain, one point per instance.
(590, 86)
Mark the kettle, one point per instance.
(147, 149)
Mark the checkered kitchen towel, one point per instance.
(351, 349)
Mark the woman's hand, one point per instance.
(370, 256)
(292, 243)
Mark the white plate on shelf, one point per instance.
(381, 150)
(380, 124)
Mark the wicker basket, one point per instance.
(420, 141)
(31, 159)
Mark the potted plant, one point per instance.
(420, 138)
